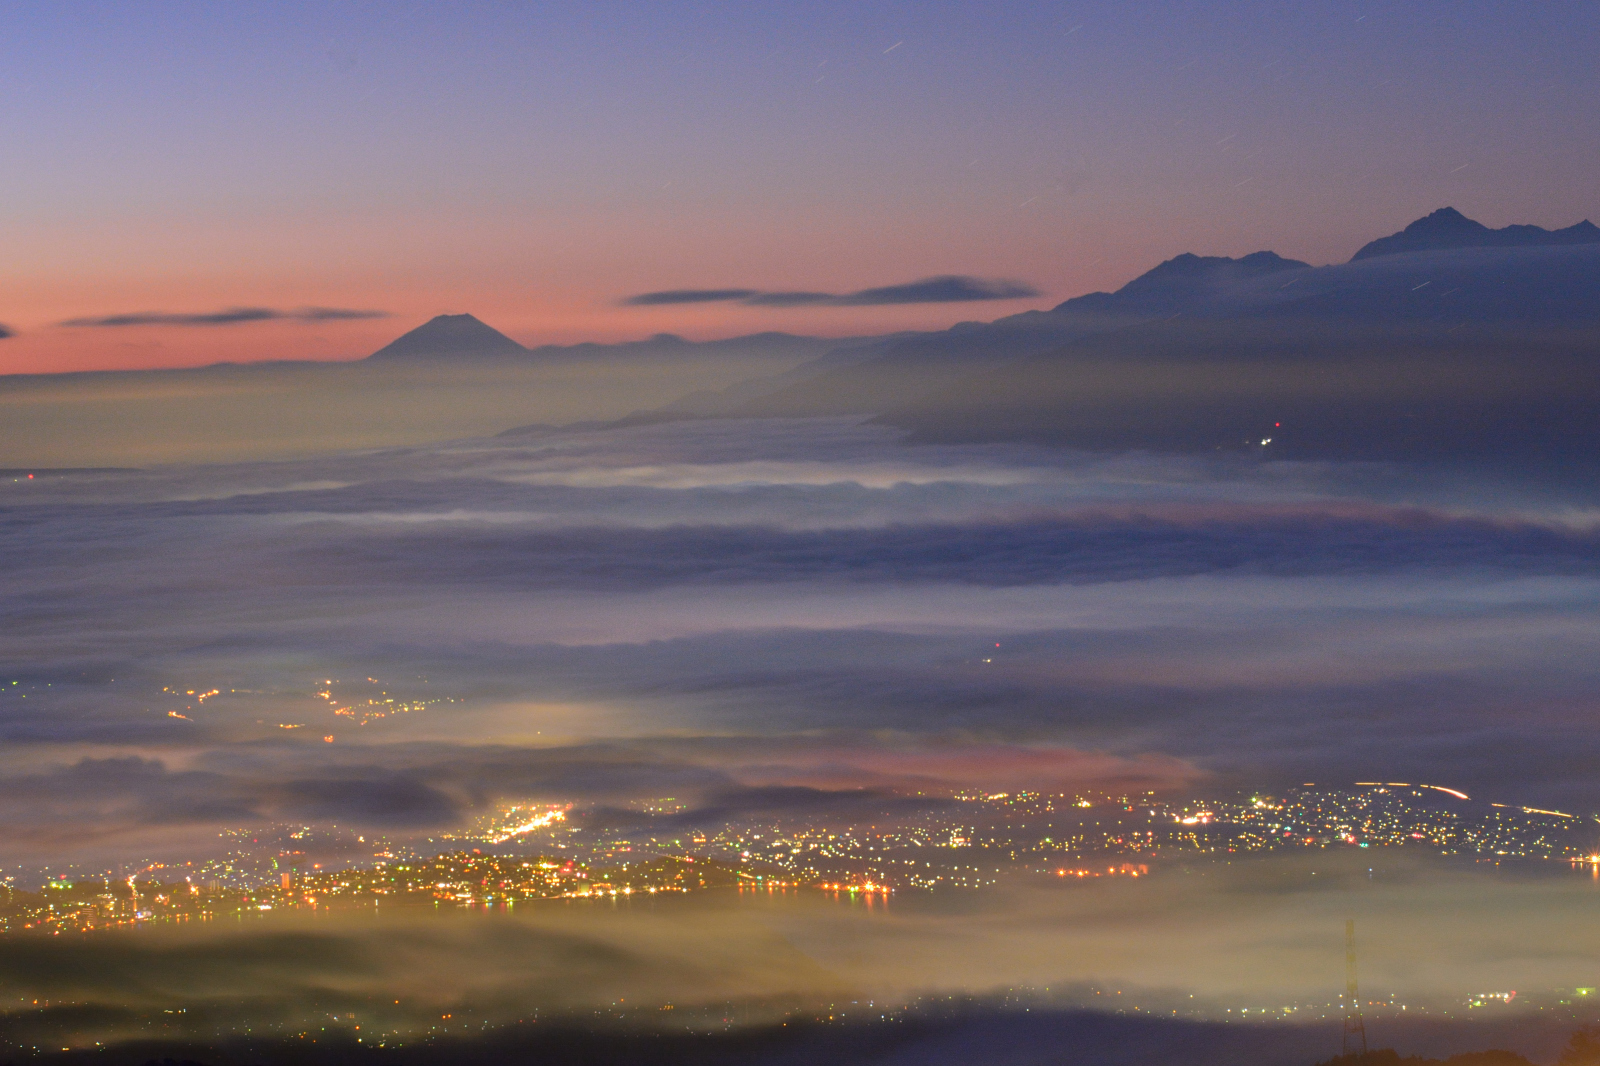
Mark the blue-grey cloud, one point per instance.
(793, 299)
(229, 317)
(6, 331)
(1089, 549)
(773, 802)
(687, 296)
(946, 288)
(333, 314)
(105, 797)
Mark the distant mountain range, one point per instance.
(464, 337)
(1449, 228)
(1445, 340)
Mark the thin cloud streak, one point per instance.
(945, 288)
(687, 296)
(229, 317)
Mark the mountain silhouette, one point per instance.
(1471, 353)
(1449, 228)
(1181, 282)
(449, 335)
(1448, 341)
(887, 375)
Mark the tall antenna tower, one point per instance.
(1355, 1030)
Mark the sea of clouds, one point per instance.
(699, 608)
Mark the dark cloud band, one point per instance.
(1074, 550)
(949, 288)
(946, 288)
(688, 296)
(229, 317)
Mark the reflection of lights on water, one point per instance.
(868, 888)
(1126, 869)
(870, 894)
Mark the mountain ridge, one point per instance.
(443, 336)
(1185, 278)
(1448, 228)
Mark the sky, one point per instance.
(349, 171)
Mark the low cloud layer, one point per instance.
(229, 317)
(1268, 951)
(120, 804)
(801, 620)
(714, 611)
(947, 288)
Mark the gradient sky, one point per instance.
(537, 163)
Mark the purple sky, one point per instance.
(536, 164)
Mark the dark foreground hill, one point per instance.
(1005, 1038)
